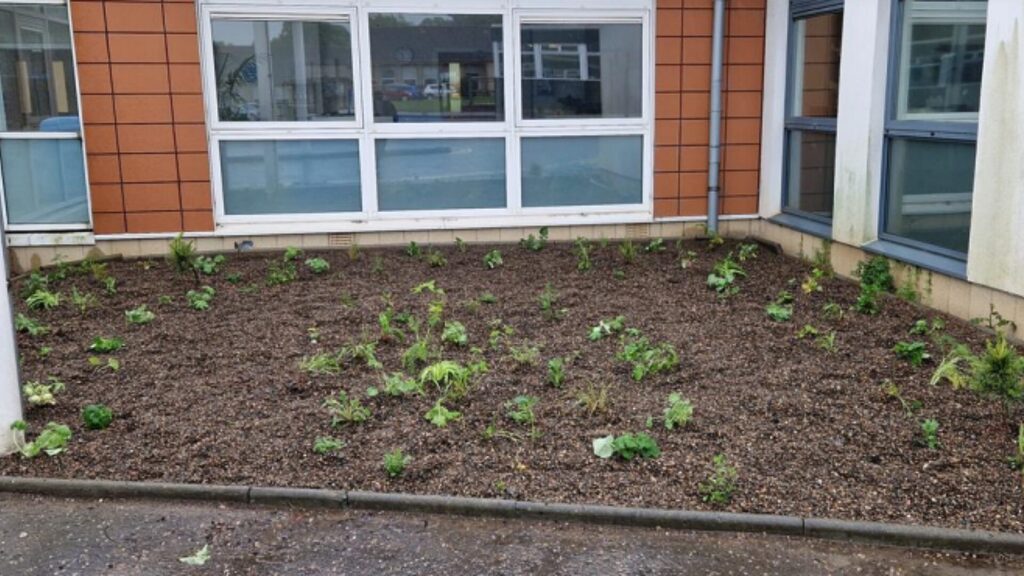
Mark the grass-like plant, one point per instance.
(721, 484)
(450, 377)
(346, 410)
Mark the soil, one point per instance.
(218, 396)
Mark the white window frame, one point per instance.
(84, 226)
(512, 129)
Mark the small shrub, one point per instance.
(200, 299)
(556, 372)
(999, 370)
(493, 259)
(140, 316)
(913, 352)
(395, 463)
(720, 486)
(679, 411)
(535, 243)
(208, 266)
(43, 300)
(582, 247)
(39, 394)
(102, 345)
(34, 328)
(607, 328)
(346, 410)
(627, 446)
(97, 416)
(326, 444)
(318, 265)
(867, 300)
(182, 255)
(930, 433)
(440, 416)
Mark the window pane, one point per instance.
(582, 70)
(283, 70)
(436, 67)
(811, 175)
(815, 85)
(290, 176)
(930, 186)
(441, 174)
(582, 171)
(44, 181)
(36, 70)
(941, 60)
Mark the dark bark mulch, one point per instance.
(218, 397)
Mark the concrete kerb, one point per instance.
(867, 532)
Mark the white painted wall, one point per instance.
(10, 395)
(773, 117)
(996, 254)
(861, 120)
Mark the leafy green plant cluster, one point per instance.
(627, 446)
(913, 352)
(139, 316)
(200, 299)
(746, 252)
(102, 345)
(607, 328)
(721, 484)
(998, 371)
(655, 245)
(525, 354)
(52, 441)
(208, 265)
(493, 259)
(781, 309)
(182, 255)
(318, 265)
(535, 243)
(97, 416)
(43, 299)
(82, 301)
(930, 433)
(629, 251)
(39, 394)
(450, 377)
(441, 416)
(647, 358)
(282, 272)
(395, 462)
(724, 275)
(346, 410)
(436, 259)
(875, 278)
(594, 399)
(398, 384)
(679, 411)
(327, 444)
(556, 372)
(30, 326)
(455, 333)
(548, 302)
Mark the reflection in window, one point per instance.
(44, 181)
(941, 61)
(583, 71)
(453, 173)
(269, 70)
(930, 188)
(582, 170)
(36, 70)
(811, 172)
(290, 176)
(817, 44)
(437, 67)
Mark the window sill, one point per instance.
(79, 238)
(805, 225)
(917, 257)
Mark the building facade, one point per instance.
(882, 126)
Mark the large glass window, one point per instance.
(283, 70)
(41, 157)
(437, 67)
(932, 130)
(290, 176)
(440, 174)
(813, 99)
(580, 171)
(582, 70)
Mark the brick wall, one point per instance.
(682, 86)
(142, 110)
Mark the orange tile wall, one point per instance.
(142, 110)
(682, 102)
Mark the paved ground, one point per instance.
(56, 536)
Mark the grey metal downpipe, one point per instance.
(715, 121)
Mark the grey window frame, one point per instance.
(924, 130)
(801, 9)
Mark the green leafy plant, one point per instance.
(629, 251)
(395, 462)
(827, 341)
(327, 444)
(450, 377)
(43, 300)
(182, 256)
(200, 299)
(413, 250)
(582, 248)
(535, 243)
(318, 265)
(999, 370)
(460, 244)
(548, 301)
(781, 310)
(487, 298)
(746, 252)
(455, 333)
(910, 407)
(346, 410)
(82, 301)
(524, 355)
(207, 265)
(713, 237)
(930, 433)
(627, 446)
(994, 321)
(291, 254)
(607, 328)
(281, 272)
(646, 358)
(436, 259)
(832, 311)
(97, 416)
(521, 410)
(365, 352)
(398, 384)
(875, 278)
(419, 353)
(322, 363)
(34, 328)
(440, 416)
(354, 252)
(686, 258)
(807, 331)
(52, 441)
(679, 411)
(139, 316)
(493, 259)
(199, 558)
(724, 275)
(234, 278)
(721, 484)
(556, 372)
(913, 352)
(102, 345)
(654, 246)
(112, 364)
(499, 332)
(594, 399)
(39, 394)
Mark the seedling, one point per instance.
(629, 251)
(549, 303)
(346, 410)
(646, 358)
(440, 416)
(139, 316)
(582, 247)
(999, 370)
(318, 265)
(417, 354)
(520, 410)
(43, 300)
(428, 286)
(875, 277)
(493, 259)
(535, 243)
(354, 251)
(832, 311)
(679, 411)
(395, 462)
(807, 331)
(323, 363)
(388, 330)
(556, 372)
(594, 399)
(930, 433)
(994, 321)
(436, 259)
(913, 352)
(413, 250)
(208, 266)
(910, 407)
(714, 238)
(499, 332)
(454, 333)
(378, 265)
(720, 486)
(199, 558)
(687, 258)
(607, 328)
(398, 384)
(460, 244)
(102, 345)
(435, 312)
(38, 394)
(627, 446)
(324, 445)
(34, 328)
(200, 299)
(365, 352)
(827, 342)
(82, 301)
(97, 416)
(487, 298)
(234, 278)
(724, 275)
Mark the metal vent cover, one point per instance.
(340, 240)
